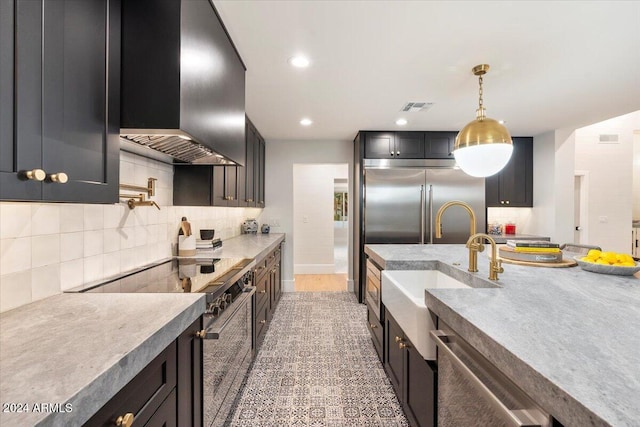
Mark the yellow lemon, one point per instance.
(628, 264)
(609, 257)
(594, 254)
(586, 259)
(602, 261)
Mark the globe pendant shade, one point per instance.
(483, 160)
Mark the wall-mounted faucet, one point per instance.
(140, 199)
(473, 258)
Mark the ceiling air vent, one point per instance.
(611, 138)
(414, 107)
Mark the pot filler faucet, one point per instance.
(473, 255)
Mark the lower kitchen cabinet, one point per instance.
(268, 282)
(375, 329)
(413, 378)
(167, 392)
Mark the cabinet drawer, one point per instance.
(262, 323)
(262, 291)
(166, 415)
(375, 329)
(144, 394)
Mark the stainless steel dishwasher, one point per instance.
(473, 392)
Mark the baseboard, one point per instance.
(289, 285)
(314, 269)
(350, 285)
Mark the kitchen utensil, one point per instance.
(616, 270)
(206, 234)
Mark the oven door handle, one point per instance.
(214, 334)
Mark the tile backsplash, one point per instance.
(46, 248)
(520, 216)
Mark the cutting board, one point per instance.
(566, 262)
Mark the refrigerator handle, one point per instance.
(431, 214)
(422, 214)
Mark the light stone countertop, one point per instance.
(567, 337)
(81, 349)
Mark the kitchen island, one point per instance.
(569, 338)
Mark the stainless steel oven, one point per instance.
(227, 354)
(373, 288)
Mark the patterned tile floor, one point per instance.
(317, 367)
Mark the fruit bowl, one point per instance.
(617, 270)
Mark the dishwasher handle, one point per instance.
(530, 417)
(227, 316)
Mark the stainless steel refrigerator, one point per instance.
(401, 200)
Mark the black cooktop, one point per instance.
(178, 275)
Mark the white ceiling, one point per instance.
(553, 64)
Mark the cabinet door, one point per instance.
(231, 185)
(516, 179)
(250, 174)
(166, 415)
(189, 386)
(420, 389)
(260, 185)
(20, 99)
(379, 145)
(375, 329)
(67, 101)
(409, 145)
(219, 186)
(394, 355)
(439, 145)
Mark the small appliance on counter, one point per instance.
(265, 229)
(250, 226)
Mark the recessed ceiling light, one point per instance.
(299, 61)
(401, 122)
(305, 122)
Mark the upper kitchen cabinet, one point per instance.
(60, 101)
(513, 185)
(408, 145)
(183, 82)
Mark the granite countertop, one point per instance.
(81, 349)
(246, 246)
(567, 337)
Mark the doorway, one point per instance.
(320, 226)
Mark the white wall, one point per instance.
(313, 225)
(46, 248)
(280, 158)
(553, 182)
(610, 167)
(636, 175)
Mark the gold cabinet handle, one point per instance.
(373, 325)
(60, 177)
(228, 198)
(125, 420)
(248, 200)
(398, 339)
(403, 345)
(201, 333)
(263, 321)
(263, 291)
(274, 270)
(35, 175)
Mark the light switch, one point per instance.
(603, 218)
(305, 219)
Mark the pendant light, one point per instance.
(483, 147)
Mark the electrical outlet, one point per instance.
(305, 219)
(603, 219)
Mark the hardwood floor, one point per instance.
(320, 282)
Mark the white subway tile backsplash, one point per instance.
(45, 219)
(93, 243)
(15, 220)
(71, 274)
(71, 218)
(71, 246)
(45, 250)
(93, 268)
(15, 290)
(15, 255)
(45, 281)
(93, 217)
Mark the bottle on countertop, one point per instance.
(510, 228)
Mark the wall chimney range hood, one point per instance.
(183, 82)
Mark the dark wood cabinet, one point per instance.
(513, 185)
(439, 145)
(408, 145)
(229, 186)
(413, 378)
(267, 279)
(64, 100)
(376, 332)
(167, 392)
(190, 377)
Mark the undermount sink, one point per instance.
(403, 296)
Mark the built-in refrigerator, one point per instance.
(400, 199)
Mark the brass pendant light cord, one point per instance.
(480, 112)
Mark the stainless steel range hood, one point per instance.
(175, 144)
(182, 82)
